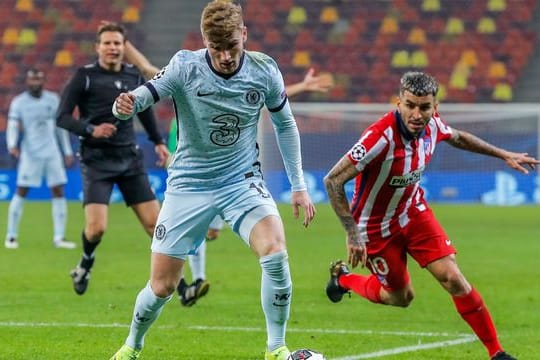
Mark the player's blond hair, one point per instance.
(220, 19)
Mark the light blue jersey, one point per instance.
(36, 117)
(218, 116)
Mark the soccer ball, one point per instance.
(306, 354)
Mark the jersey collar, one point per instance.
(225, 76)
(403, 130)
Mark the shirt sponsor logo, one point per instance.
(407, 179)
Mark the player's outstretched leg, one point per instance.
(333, 290)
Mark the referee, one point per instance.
(108, 152)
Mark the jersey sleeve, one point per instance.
(71, 97)
(370, 145)
(165, 83)
(285, 128)
(14, 120)
(276, 96)
(444, 131)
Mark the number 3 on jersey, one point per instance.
(228, 132)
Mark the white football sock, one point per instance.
(15, 212)
(197, 263)
(59, 215)
(147, 309)
(276, 291)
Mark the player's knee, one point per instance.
(455, 283)
(163, 288)
(95, 231)
(401, 298)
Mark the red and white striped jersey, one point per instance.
(391, 163)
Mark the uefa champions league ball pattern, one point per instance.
(305, 354)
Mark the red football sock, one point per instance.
(472, 309)
(366, 286)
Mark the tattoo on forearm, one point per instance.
(467, 141)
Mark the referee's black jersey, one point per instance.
(93, 90)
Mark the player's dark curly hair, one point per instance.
(418, 84)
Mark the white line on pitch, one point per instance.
(412, 348)
(335, 331)
(232, 328)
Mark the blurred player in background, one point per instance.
(109, 152)
(389, 218)
(218, 93)
(33, 113)
(190, 293)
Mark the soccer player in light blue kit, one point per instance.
(218, 94)
(33, 113)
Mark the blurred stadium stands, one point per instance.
(479, 50)
(55, 35)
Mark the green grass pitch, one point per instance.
(42, 318)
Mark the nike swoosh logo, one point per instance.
(280, 305)
(199, 93)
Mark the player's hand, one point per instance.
(104, 131)
(163, 155)
(68, 159)
(302, 199)
(356, 250)
(125, 104)
(14, 152)
(517, 160)
(321, 83)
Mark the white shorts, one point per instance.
(185, 216)
(31, 171)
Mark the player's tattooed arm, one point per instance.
(335, 182)
(467, 141)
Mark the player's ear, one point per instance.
(244, 34)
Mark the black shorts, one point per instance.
(103, 167)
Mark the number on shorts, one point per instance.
(260, 188)
(379, 265)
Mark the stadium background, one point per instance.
(481, 51)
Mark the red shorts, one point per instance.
(423, 238)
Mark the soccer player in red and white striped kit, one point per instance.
(388, 216)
